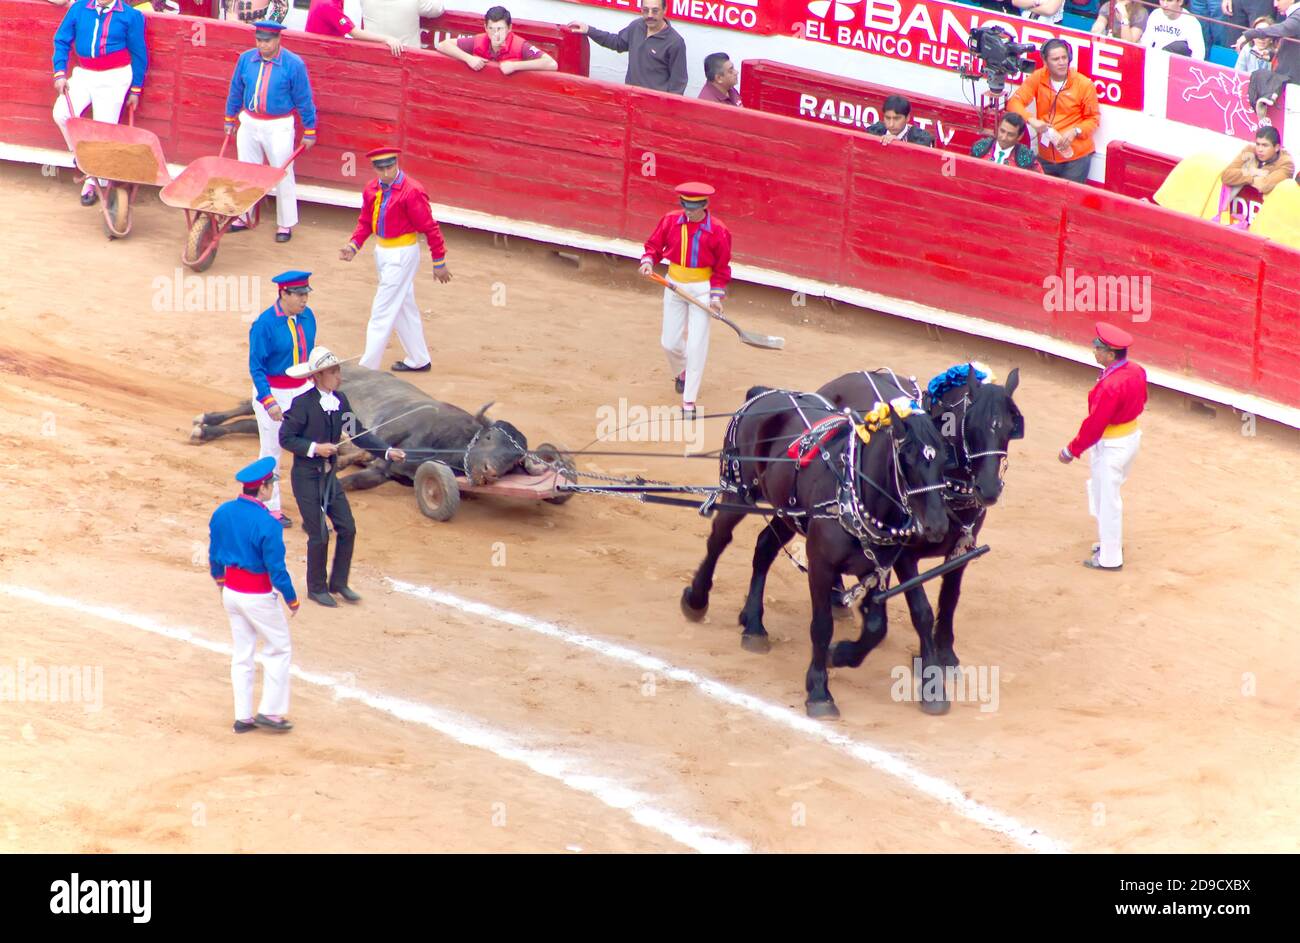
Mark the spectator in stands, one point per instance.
(1005, 147)
(1266, 85)
(1067, 112)
(1214, 34)
(720, 80)
(1045, 11)
(656, 53)
(252, 11)
(1242, 12)
(1262, 165)
(1173, 31)
(1130, 20)
(498, 44)
(326, 18)
(399, 18)
(1084, 8)
(895, 123)
(1258, 53)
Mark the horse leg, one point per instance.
(245, 408)
(206, 433)
(695, 598)
(838, 607)
(770, 541)
(875, 625)
(821, 574)
(371, 477)
(934, 696)
(949, 594)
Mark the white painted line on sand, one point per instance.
(640, 807)
(873, 756)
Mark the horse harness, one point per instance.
(816, 440)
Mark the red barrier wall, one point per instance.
(803, 199)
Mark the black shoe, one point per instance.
(679, 384)
(401, 367)
(241, 727)
(286, 521)
(349, 594)
(283, 236)
(89, 199)
(261, 720)
(237, 227)
(325, 599)
(690, 411)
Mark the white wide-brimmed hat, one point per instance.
(321, 358)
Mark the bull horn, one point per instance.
(481, 416)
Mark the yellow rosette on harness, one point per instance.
(879, 417)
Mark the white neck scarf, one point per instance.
(329, 402)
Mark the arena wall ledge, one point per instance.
(925, 235)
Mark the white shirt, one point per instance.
(1001, 156)
(1161, 31)
(399, 18)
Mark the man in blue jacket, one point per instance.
(108, 37)
(268, 86)
(282, 336)
(246, 558)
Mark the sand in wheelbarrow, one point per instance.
(225, 197)
(115, 160)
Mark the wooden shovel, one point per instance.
(765, 341)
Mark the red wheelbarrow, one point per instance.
(125, 156)
(214, 192)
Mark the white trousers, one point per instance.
(1111, 459)
(686, 335)
(394, 308)
(271, 141)
(268, 432)
(254, 616)
(103, 91)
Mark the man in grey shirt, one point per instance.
(656, 53)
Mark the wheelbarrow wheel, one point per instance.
(558, 457)
(202, 235)
(117, 212)
(436, 491)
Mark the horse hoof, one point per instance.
(758, 644)
(196, 435)
(936, 708)
(841, 612)
(822, 709)
(200, 419)
(947, 659)
(689, 611)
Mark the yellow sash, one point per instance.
(1124, 428)
(680, 273)
(406, 239)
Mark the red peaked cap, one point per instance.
(695, 191)
(1113, 337)
(383, 153)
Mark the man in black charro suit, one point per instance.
(311, 430)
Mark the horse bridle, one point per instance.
(961, 492)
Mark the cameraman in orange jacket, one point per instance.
(1067, 113)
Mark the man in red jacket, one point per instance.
(395, 209)
(697, 247)
(1111, 431)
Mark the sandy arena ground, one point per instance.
(1154, 709)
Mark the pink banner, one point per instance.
(1211, 96)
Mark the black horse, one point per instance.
(977, 421)
(857, 486)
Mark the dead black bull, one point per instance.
(408, 419)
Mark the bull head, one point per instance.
(499, 449)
